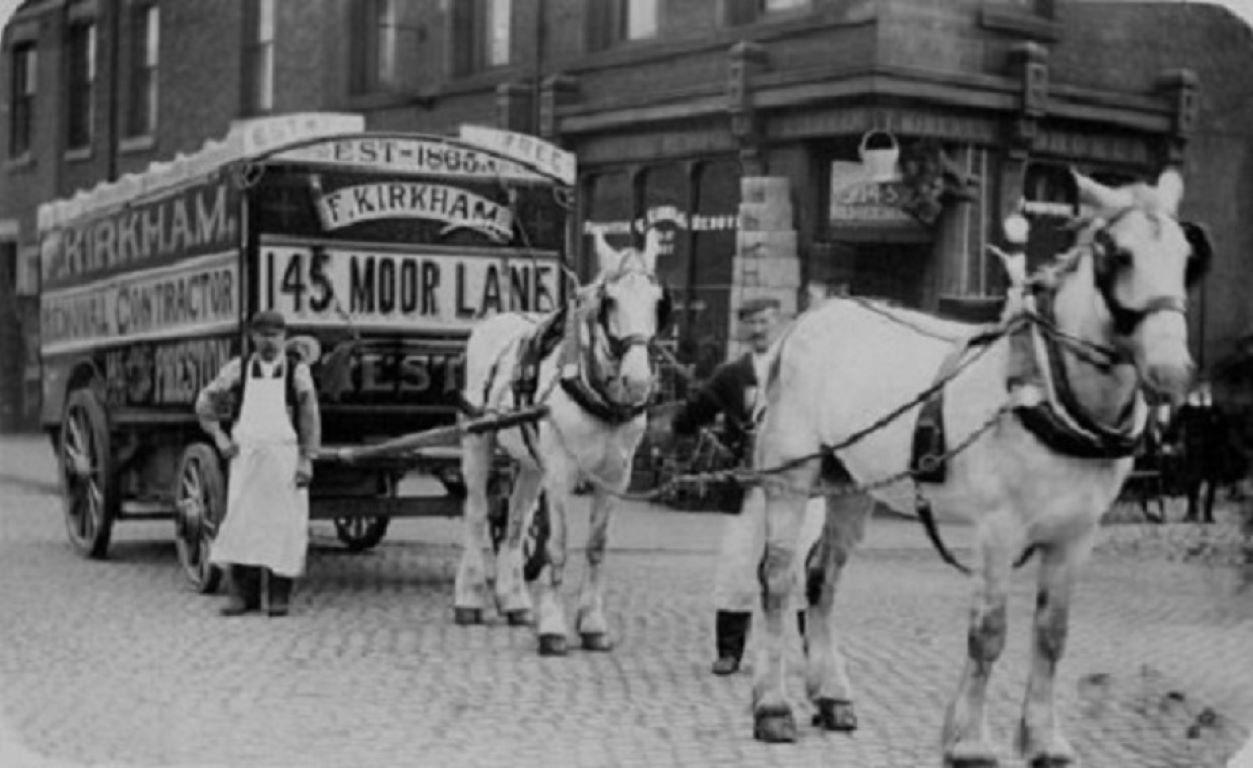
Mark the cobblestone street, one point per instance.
(118, 663)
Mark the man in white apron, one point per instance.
(736, 389)
(270, 449)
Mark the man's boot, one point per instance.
(280, 594)
(245, 590)
(731, 630)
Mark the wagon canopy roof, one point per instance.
(307, 138)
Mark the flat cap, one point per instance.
(268, 320)
(753, 306)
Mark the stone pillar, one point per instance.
(514, 107)
(766, 262)
(555, 92)
(1182, 88)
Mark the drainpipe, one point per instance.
(537, 85)
(115, 56)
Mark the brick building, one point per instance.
(760, 134)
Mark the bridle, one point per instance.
(619, 346)
(1126, 319)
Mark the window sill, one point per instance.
(77, 154)
(1022, 23)
(137, 144)
(482, 80)
(22, 162)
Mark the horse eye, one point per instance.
(1122, 257)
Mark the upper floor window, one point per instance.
(22, 97)
(610, 22)
(481, 34)
(373, 38)
(82, 79)
(258, 56)
(144, 57)
(748, 11)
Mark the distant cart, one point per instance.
(381, 249)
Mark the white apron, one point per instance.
(267, 516)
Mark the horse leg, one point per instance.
(1211, 487)
(772, 714)
(590, 620)
(1040, 739)
(965, 739)
(826, 674)
(470, 590)
(558, 486)
(512, 596)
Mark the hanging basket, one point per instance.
(880, 163)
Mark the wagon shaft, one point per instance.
(440, 436)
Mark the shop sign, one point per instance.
(396, 154)
(859, 200)
(529, 150)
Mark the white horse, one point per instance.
(596, 385)
(1119, 294)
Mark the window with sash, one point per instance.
(144, 58)
(480, 35)
(258, 56)
(611, 22)
(25, 74)
(372, 34)
(81, 83)
(738, 12)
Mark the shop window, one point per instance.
(258, 56)
(81, 81)
(610, 22)
(373, 28)
(144, 58)
(22, 98)
(481, 35)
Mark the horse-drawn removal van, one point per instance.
(380, 249)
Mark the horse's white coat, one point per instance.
(842, 365)
(570, 443)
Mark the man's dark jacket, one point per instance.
(725, 392)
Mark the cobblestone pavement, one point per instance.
(117, 663)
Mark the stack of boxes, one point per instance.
(766, 262)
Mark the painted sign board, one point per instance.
(858, 200)
(410, 155)
(370, 287)
(195, 296)
(526, 149)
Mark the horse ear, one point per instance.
(1099, 197)
(608, 258)
(1202, 252)
(652, 249)
(1169, 190)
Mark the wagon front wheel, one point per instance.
(88, 487)
(361, 533)
(200, 505)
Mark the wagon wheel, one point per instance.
(361, 533)
(200, 505)
(89, 489)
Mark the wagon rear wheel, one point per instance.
(200, 505)
(361, 533)
(89, 489)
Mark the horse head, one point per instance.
(631, 308)
(1143, 261)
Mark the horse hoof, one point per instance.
(774, 725)
(971, 762)
(467, 616)
(552, 645)
(835, 715)
(518, 618)
(596, 641)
